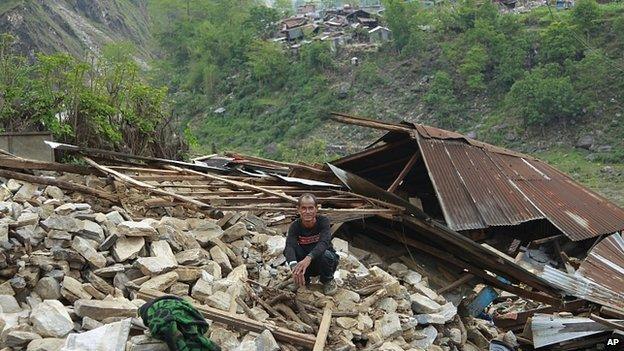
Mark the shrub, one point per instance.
(473, 67)
(441, 99)
(543, 97)
(557, 43)
(584, 15)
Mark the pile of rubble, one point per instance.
(72, 271)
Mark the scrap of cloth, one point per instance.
(178, 323)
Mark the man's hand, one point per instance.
(300, 269)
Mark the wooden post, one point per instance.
(404, 172)
(321, 337)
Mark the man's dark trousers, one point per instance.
(323, 266)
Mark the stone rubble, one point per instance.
(72, 267)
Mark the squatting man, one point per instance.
(309, 251)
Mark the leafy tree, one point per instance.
(267, 62)
(474, 66)
(543, 97)
(584, 15)
(317, 55)
(263, 20)
(441, 99)
(557, 43)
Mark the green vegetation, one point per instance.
(101, 103)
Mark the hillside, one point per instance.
(75, 26)
(547, 82)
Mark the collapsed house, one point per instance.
(435, 231)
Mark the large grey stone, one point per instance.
(102, 309)
(27, 218)
(26, 192)
(50, 318)
(9, 304)
(266, 342)
(127, 248)
(74, 287)
(62, 223)
(389, 326)
(235, 232)
(191, 257)
(92, 230)
(220, 258)
(161, 282)
(115, 217)
(83, 247)
(48, 288)
(145, 343)
(142, 228)
(202, 290)
(46, 344)
(207, 232)
(423, 305)
(54, 192)
(219, 299)
(152, 266)
(427, 337)
(20, 338)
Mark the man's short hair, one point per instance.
(306, 196)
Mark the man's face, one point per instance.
(307, 209)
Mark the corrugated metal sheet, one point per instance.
(473, 190)
(604, 264)
(581, 287)
(479, 186)
(549, 329)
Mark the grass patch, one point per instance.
(605, 178)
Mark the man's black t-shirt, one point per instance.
(314, 241)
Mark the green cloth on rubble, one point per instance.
(178, 323)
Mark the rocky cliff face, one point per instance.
(78, 27)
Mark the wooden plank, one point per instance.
(59, 183)
(126, 179)
(321, 337)
(466, 277)
(606, 322)
(22, 163)
(370, 151)
(141, 169)
(408, 167)
(611, 312)
(236, 183)
(241, 322)
(364, 122)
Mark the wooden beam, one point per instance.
(22, 163)
(606, 322)
(369, 151)
(150, 188)
(236, 183)
(466, 277)
(241, 322)
(321, 337)
(404, 172)
(611, 312)
(364, 122)
(59, 183)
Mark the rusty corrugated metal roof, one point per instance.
(479, 186)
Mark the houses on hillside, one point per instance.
(339, 26)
